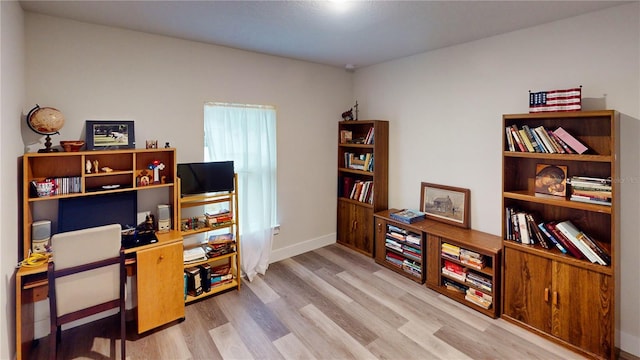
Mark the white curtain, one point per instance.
(246, 134)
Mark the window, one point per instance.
(246, 134)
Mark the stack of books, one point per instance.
(472, 258)
(220, 245)
(194, 255)
(407, 216)
(454, 270)
(479, 298)
(412, 267)
(222, 217)
(591, 190)
(479, 281)
(450, 251)
(221, 275)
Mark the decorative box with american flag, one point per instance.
(556, 100)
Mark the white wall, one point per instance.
(96, 72)
(12, 98)
(445, 111)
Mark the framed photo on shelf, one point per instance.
(446, 204)
(111, 134)
(551, 180)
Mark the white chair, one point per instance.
(87, 276)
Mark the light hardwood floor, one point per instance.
(331, 303)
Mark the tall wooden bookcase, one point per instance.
(565, 299)
(363, 178)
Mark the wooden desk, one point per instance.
(32, 286)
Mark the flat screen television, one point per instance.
(89, 211)
(204, 177)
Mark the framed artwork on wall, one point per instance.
(445, 203)
(110, 134)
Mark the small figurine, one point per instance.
(166, 145)
(95, 166)
(107, 169)
(88, 166)
(347, 115)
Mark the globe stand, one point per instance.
(47, 146)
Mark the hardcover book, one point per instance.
(407, 216)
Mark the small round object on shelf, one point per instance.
(72, 145)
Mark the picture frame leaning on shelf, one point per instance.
(446, 204)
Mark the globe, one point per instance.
(45, 121)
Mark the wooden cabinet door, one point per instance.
(355, 226)
(160, 285)
(582, 308)
(527, 288)
(380, 234)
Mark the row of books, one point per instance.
(591, 190)
(542, 140)
(63, 185)
(217, 220)
(362, 162)
(463, 255)
(362, 191)
(523, 227)
(203, 278)
(407, 216)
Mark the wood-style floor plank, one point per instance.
(330, 303)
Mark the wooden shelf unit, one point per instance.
(487, 245)
(127, 166)
(354, 217)
(567, 300)
(230, 199)
(432, 234)
(383, 226)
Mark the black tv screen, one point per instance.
(204, 177)
(89, 211)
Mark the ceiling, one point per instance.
(349, 34)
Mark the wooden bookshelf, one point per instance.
(568, 300)
(355, 213)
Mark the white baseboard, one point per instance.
(302, 247)
(630, 343)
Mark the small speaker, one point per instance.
(164, 218)
(40, 235)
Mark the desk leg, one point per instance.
(24, 319)
(25, 299)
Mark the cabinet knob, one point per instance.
(161, 257)
(555, 298)
(546, 294)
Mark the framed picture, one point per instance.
(551, 180)
(112, 134)
(447, 204)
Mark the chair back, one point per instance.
(77, 251)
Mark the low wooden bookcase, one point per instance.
(433, 235)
